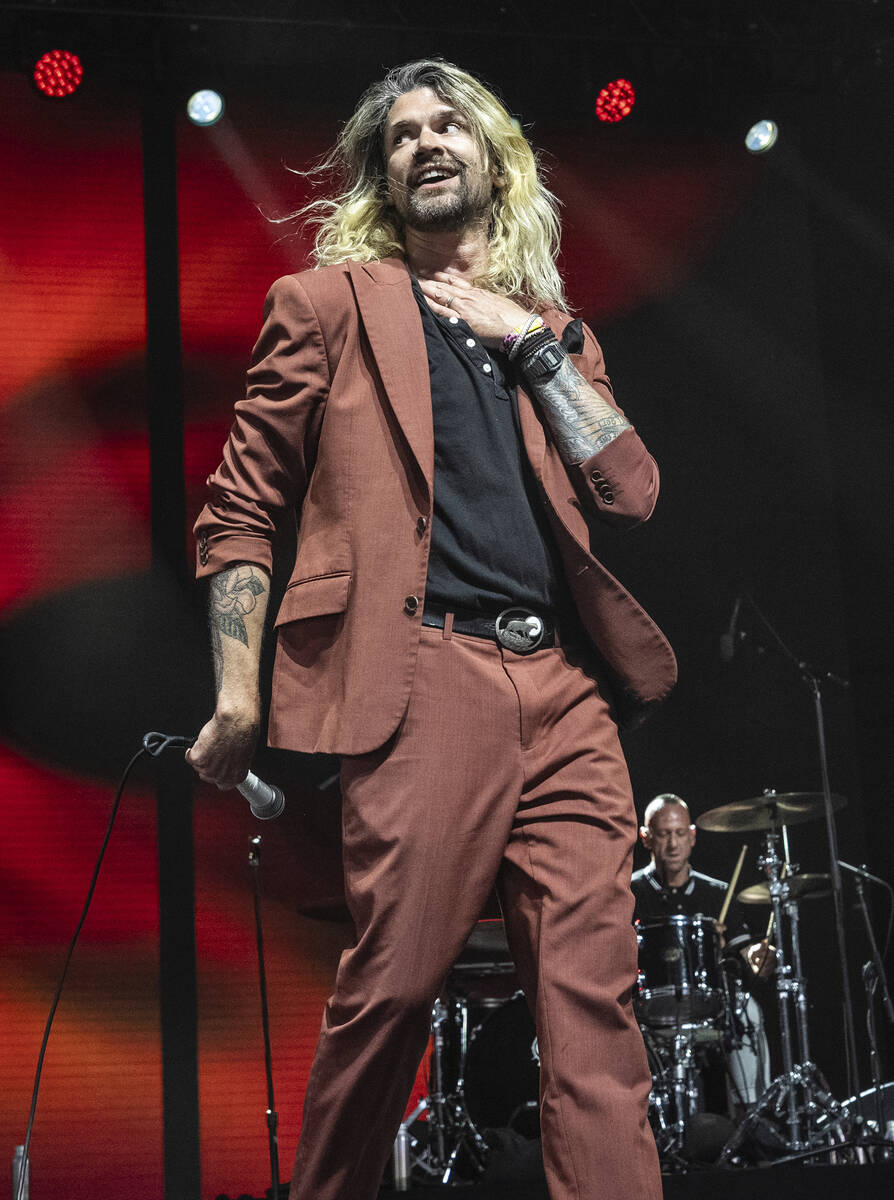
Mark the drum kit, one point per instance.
(689, 997)
(691, 1006)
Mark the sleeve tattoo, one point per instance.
(234, 593)
(582, 422)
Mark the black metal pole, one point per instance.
(850, 1040)
(177, 952)
(812, 678)
(254, 861)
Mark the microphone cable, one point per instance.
(154, 744)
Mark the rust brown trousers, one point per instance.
(463, 763)
(504, 767)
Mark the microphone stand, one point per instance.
(814, 678)
(873, 976)
(254, 861)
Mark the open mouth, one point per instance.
(433, 177)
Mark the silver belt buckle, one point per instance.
(519, 629)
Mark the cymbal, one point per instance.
(800, 887)
(763, 812)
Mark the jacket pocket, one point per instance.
(315, 597)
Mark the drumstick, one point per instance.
(732, 885)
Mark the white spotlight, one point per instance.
(205, 107)
(761, 137)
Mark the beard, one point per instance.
(466, 204)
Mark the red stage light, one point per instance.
(616, 100)
(58, 73)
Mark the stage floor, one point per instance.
(875, 1181)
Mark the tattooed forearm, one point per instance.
(217, 656)
(582, 422)
(234, 594)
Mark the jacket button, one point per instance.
(411, 604)
(421, 525)
(595, 476)
(608, 497)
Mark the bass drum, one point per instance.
(501, 1080)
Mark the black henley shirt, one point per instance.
(491, 546)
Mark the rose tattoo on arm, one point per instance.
(234, 593)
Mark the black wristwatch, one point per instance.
(544, 362)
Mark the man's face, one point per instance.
(670, 838)
(436, 174)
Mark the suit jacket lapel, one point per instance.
(532, 432)
(549, 470)
(392, 323)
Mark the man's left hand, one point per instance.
(488, 315)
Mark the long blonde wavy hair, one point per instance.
(361, 223)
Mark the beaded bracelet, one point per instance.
(512, 340)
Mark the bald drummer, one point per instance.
(669, 886)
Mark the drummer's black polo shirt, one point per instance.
(701, 895)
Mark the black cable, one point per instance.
(154, 744)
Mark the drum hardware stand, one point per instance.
(685, 1091)
(803, 1077)
(814, 679)
(450, 1127)
(676, 1100)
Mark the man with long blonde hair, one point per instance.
(450, 444)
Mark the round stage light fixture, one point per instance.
(58, 73)
(616, 101)
(205, 107)
(761, 137)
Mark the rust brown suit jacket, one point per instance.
(337, 426)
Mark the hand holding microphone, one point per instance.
(221, 755)
(265, 799)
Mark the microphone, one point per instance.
(862, 872)
(728, 639)
(265, 799)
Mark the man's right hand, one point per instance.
(223, 751)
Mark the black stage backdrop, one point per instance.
(745, 310)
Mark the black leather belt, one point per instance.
(517, 628)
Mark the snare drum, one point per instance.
(680, 977)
